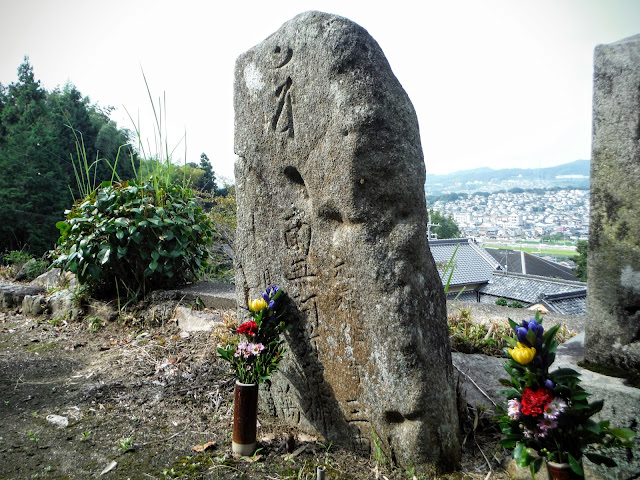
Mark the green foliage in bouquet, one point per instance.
(255, 359)
(548, 412)
(136, 235)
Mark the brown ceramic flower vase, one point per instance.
(245, 417)
(562, 471)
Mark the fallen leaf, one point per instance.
(269, 437)
(253, 459)
(303, 437)
(113, 464)
(203, 447)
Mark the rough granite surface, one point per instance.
(330, 186)
(613, 300)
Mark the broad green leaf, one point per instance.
(104, 256)
(601, 459)
(622, 433)
(575, 465)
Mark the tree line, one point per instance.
(45, 136)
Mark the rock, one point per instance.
(12, 296)
(22, 273)
(219, 296)
(520, 473)
(190, 320)
(479, 378)
(613, 300)
(53, 278)
(58, 420)
(330, 188)
(61, 305)
(33, 304)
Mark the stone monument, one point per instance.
(330, 187)
(612, 333)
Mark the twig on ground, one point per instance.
(485, 457)
(165, 439)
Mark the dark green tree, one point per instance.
(582, 247)
(208, 181)
(448, 227)
(31, 200)
(38, 134)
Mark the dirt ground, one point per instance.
(138, 399)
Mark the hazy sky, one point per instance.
(495, 83)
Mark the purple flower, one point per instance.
(530, 333)
(272, 305)
(521, 333)
(549, 384)
(514, 409)
(546, 424)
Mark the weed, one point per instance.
(85, 435)
(125, 444)
(94, 324)
(33, 436)
(469, 337)
(326, 451)
(378, 453)
(57, 322)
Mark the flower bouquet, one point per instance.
(257, 357)
(254, 359)
(548, 412)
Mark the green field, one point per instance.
(558, 252)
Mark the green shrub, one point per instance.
(16, 258)
(502, 302)
(36, 268)
(134, 237)
(515, 304)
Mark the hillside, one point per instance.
(574, 174)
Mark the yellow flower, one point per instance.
(522, 354)
(257, 304)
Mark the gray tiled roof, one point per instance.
(574, 303)
(472, 264)
(528, 288)
(533, 265)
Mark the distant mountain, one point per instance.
(574, 174)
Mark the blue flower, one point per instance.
(530, 333)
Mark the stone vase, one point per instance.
(245, 417)
(562, 471)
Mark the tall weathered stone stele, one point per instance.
(613, 300)
(330, 187)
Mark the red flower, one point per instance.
(248, 328)
(535, 401)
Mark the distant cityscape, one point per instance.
(529, 209)
(510, 216)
